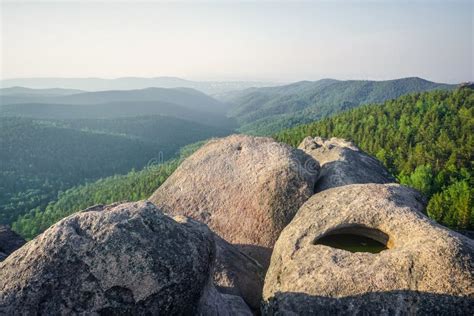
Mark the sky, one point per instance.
(239, 40)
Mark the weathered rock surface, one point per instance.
(343, 163)
(9, 241)
(214, 303)
(427, 268)
(119, 259)
(234, 274)
(246, 189)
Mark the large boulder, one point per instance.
(246, 189)
(9, 241)
(368, 249)
(343, 163)
(120, 259)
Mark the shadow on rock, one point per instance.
(377, 303)
(259, 253)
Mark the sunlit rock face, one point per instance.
(343, 163)
(398, 261)
(246, 189)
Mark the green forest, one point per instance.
(134, 186)
(425, 139)
(263, 111)
(40, 159)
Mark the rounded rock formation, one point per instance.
(119, 259)
(9, 241)
(246, 189)
(368, 249)
(343, 163)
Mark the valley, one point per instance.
(78, 137)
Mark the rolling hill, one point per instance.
(41, 158)
(119, 109)
(127, 83)
(268, 110)
(181, 103)
(185, 97)
(37, 92)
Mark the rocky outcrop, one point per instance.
(233, 272)
(246, 189)
(9, 241)
(343, 163)
(315, 266)
(119, 259)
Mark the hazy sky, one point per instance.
(231, 40)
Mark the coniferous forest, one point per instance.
(426, 140)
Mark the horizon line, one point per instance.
(226, 80)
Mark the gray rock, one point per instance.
(234, 274)
(246, 189)
(120, 259)
(214, 303)
(426, 269)
(343, 163)
(9, 241)
(374, 304)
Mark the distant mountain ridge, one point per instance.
(186, 97)
(270, 109)
(38, 92)
(127, 83)
(182, 103)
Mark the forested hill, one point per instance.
(53, 139)
(426, 139)
(119, 109)
(40, 158)
(182, 103)
(184, 97)
(133, 186)
(268, 110)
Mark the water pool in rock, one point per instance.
(352, 243)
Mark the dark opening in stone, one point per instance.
(355, 238)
